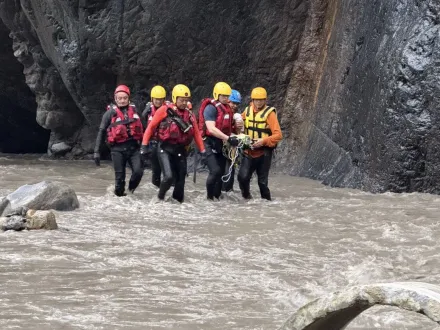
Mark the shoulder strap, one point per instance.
(121, 115)
(267, 111)
(248, 109)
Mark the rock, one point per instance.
(60, 149)
(41, 220)
(338, 309)
(21, 211)
(41, 196)
(31, 220)
(14, 222)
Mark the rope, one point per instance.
(232, 154)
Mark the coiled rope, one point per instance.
(233, 153)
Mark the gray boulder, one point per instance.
(14, 222)
(60, 148)
(44, 195)
(337, 310)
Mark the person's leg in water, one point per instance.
(155, 166)
(180, 170)
(216, 170)
(221, 161)
(263, 167)
(119, 160)
(137, 171)
(165, 159)
(247, 168)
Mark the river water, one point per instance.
(136, 263)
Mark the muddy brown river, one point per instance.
(136, 263)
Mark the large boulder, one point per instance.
(44, 195)
(337, 310)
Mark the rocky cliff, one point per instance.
(355, 81)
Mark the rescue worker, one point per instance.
(261, 124)
(176, 127)
(234, 103)
(158, 95)
(216, 124)
(122, 125)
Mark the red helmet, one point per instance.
(122, 88)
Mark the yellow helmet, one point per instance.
(180, 90)
(259, 93)
(158, 92)
(221, 88)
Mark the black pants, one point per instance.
(248, 167)
(172, 160)
(155, 166)
(123, 153)
(229, 185)
(216, 165)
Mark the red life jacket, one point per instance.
(121, 129)
(169, 131)
(224, 120)
(149, 118)
(153, 110)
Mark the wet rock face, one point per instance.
(356, 82)
(373, 118)
(75, 52)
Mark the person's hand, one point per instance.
(97, 158)
(257, 144)
(145, 152)
(233, 141)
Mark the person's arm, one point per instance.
(143, 120)
(105, 123)
(210, 115)
(146, 113)
(197, 136)
(160, 115)
(274, 125)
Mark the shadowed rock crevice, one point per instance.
(19, 131)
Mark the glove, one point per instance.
(97, 158)
(233, 141)
(145, 152)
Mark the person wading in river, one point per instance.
(261, 124)
(216, 124)
(176, 128)
(123, 127)
(158, 95)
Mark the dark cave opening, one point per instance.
(19, 131)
